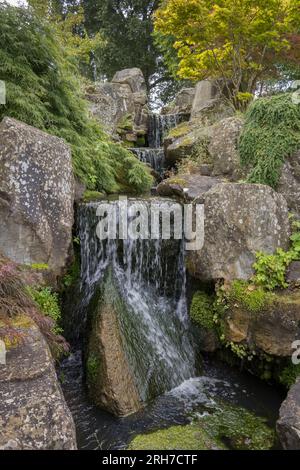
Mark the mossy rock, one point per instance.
(227, 428)
(190, 437)
(90, 196)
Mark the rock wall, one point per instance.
(121, 105)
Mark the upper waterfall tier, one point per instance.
(160, 125)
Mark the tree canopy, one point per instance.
(241, 41)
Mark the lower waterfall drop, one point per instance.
(150, 277)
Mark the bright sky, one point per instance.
(14, 2)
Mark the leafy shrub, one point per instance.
(48, 303)
(271, 269)
(271, 134)
(44, 90)
(289, 375)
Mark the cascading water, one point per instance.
(160, 125)
(150, 276)
(154, 157)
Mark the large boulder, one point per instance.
(240, 220)
(110, 379)
(36, 196)
(33, 412)
(288, 425)
(121, 105)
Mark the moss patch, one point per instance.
(202, 310)
(90, 196)
(249, 296)
(229, 427)
(179, 131)
(190, 437)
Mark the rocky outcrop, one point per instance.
(271, 330)
(183, 102)
(36, 196)
(121, 105)
(110, 380)
(206, 93)
(33, 412)
(240, 219)
(209, 140)
(288, 425)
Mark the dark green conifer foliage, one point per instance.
(44, 90)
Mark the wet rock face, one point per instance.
(36, 196)
(288, 425)
(121, 105)
(33, 412)
(110, 380)
(240, 219)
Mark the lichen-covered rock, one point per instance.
(289, 183)
(109, 376)
(223, 148)
(36, 196)
(33, 412)
(121, 105)
(240, 219)
(288, 425)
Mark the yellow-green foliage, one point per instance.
(202, 310)
(44, 90)
(240, 41)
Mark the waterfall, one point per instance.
(151, 278)
(160, 125)
(154, 157)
